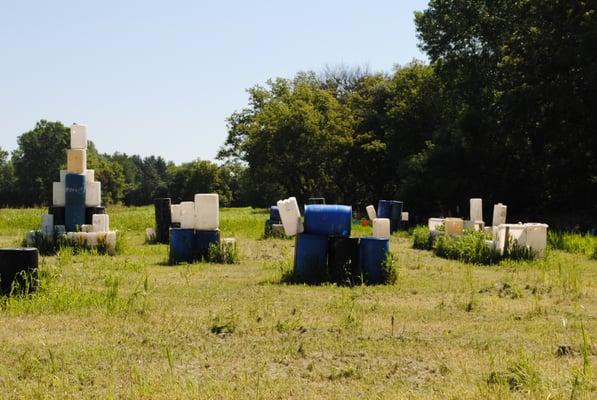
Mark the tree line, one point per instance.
(504, 110)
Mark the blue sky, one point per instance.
(162, 77)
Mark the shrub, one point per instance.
(224, 252)
(422, 239)
(470, 248)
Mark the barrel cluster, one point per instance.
(325, 250)
(76, 216)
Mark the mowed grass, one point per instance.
(131, 327)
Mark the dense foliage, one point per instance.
(505, 110)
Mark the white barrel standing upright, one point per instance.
(207, 212)
(58, 194)
(175, 212)
(536, 238)
(93, 194)
(101, 222)
(187, 215)
(476, 210)
(381, 228)
(371, 212)
(499, 214)
(78, 136)
(76, 161)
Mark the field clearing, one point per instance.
(131, 327)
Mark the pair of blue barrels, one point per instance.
(326, 252)
(74, 209)
(188, 245)
(392, 210)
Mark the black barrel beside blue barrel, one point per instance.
(90, 212)
(18, 270)
(74, 213)
(181, 245)
(201, 242)
(58, 213)
(372, 257)
(163, 218)
(328, 220)
(310, 258)
(343, 260)
(396, 215)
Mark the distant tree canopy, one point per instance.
(505, 110)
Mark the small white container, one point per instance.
(187, 215)
(59, 194)
(207, 212)
(371, 212)
(101, 222)
(93, 194)
(76, 161)
(78, 136)
(47, 225)
(405, 216)
(381, 228)
(536, 238)
(476, 209)
(454, 226)
(175, 212)
(89, 175)
(290, 216)
(435, 223)
(499, 214)
(516, 234)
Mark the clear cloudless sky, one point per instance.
(161, 77)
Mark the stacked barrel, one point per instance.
(325, 250)
(76, 210)
(199, 228)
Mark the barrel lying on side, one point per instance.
(18, 270)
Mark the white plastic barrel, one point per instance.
(499, 214)
(476, 210)
(290, 216)
(175, 212)
(59, 194)
(207, 212)
(89, 175)
(536, 237)
(47, 224)
(187, 215)
(371, 212)
(381, 228)
(93, 194)
(101, 222)
(454, 226)
(405, 216)
(78, 136)
(111, 241)
(435, 223)
(76, 161)
(516, 234)
(91, 239)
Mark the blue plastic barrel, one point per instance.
(202, 241)
(384, 209)
(274, 214)
(372, 255)
(181, 245)
(310, 258)
(328, 220)
(74, 210)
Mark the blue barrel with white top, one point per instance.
(328, 220)
(181, 245)
(310, 257)
(372, 256)
(74, 210)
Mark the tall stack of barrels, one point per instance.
(76, 212)
(199, 229)
(325, 250)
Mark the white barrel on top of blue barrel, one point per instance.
(381, 228)
(207, 211)
(328, 219)
(101, 223)
(175, 211)
(187, 215)
(290, 216)
(371, 212)
(78, 136)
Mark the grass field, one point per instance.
(131, 327)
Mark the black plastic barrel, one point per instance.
(343, 260)
(372, 255)
(396, 215)
(181, 245)
(58, 213)
(316, 200)
(201, 242)
(18, 267)
(91, 211)
(163, 218)
(74, 213)
(310, 258)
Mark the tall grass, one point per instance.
(470, 248)
(573, 243)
